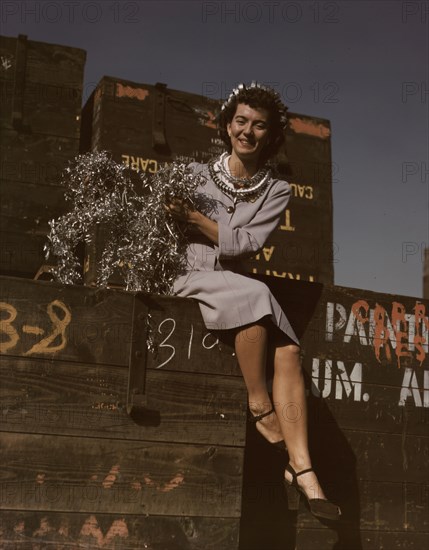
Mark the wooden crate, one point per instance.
(75, 463)
(145, 126)
(77, 470)
(41, 88)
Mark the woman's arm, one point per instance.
(242, 241)
(184, 212)
(249, 239)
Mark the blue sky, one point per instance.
(362, 65)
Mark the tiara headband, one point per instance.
(281, 108)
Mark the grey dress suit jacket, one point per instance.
(215, 276)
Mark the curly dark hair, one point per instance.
(257, 98)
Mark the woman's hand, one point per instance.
(185, 212)
(179, 209)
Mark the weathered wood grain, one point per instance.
(49, 90)
(41, 93)
(61, 531)
(94, 326)
(74, 398)
(21, 254)
(35, 158)
(47, 109)
(124, 118)
(53, 473)
(318, 539)
(49, 63)
(28, 207)
(39, 396)
(381, 413)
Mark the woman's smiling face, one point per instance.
(248, 131)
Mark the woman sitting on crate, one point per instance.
(249, 203)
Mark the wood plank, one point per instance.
(310, 159)
(28, 207)
(94, 326)
(48, 63)
(61, 531)
(21, 254)
(65, 398)
(87, 397)
(47, 109)
(318, 539)
(43, 87)
(380, 413)
(371, 456)
(53, 473)
(376, 520)
(35, 158)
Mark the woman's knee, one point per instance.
(288, 356)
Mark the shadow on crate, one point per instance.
(266, 521)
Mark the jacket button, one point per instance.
(230, 209)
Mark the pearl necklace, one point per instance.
(225, 181)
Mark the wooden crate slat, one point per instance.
(59, 401)
(381, 414)
(92, 325)
(101, 333)
(316, 539)
(27, 530)
(21, 254)
(47, 88)
(50, 63)
(61, 398)
(44, 160)
(28, 207)
(43, 472)
(307, 306)
(48, 110)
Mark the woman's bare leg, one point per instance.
(251, 352)
(290, 421)
(291, 406)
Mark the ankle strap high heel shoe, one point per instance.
(319, 507)
(279, 446)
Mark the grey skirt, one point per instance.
(229, 300)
